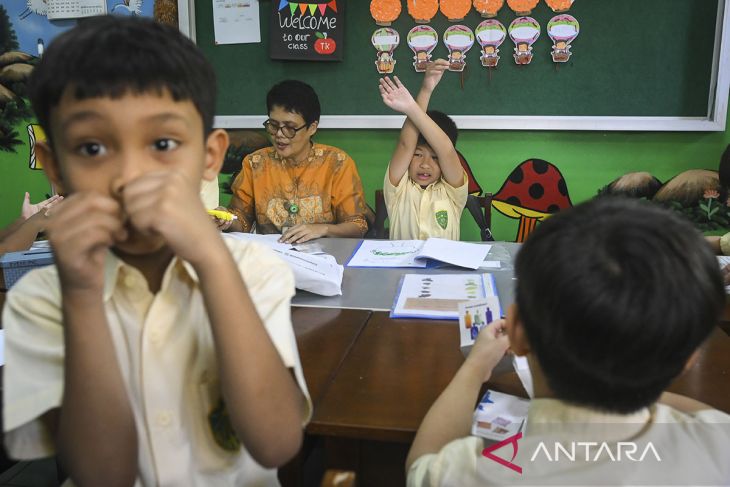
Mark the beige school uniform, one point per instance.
(166, 355)
(417, 214)
(686, 449)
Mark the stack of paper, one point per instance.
(499, 416)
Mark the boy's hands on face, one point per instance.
(489, 348)
(395, 95)
(434, 72)
(166, 203)
(80, 231)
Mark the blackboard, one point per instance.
(636, 65)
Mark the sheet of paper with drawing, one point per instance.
(437, 296)
(418, 254)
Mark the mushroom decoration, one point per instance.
(385, 11)
(422, 11)
(533, 191)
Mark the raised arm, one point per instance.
(397, 97)
(409, 133)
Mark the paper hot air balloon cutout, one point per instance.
(562, 29)
(524, 31)
(385, 11)
(458, 40)
(522, 7)
(559, 6)
(422, 11)
(488, 8)
(490, 35)
(422, 40)
(385, 40)
(455, 10)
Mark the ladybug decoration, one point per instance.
(323, 45)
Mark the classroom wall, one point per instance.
(588, 160)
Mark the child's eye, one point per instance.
(92, 149)
(166, 144)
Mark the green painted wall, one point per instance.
(588, 160)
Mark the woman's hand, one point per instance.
(304, 232)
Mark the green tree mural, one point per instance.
(15, 68)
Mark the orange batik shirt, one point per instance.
(276, 193)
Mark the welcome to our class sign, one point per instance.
(307, 31)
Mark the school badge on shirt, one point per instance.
(442, 218)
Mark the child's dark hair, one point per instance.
(632, 185)
(295, 97)
(615, 295)
(445, 123)
(110, 56)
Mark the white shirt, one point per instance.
(166, 355)
(692, 450)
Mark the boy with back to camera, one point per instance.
(425, 186)
(150, 354)
(613, 299)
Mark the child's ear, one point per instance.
(516, 331)
(216, 146)
(47, 158)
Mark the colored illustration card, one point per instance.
(385, 40)
(562, 29)
(458, 39)
(422, 39)
(437, 296)
(499, 416)
(524, 31)
(474, 315)
(490, 35)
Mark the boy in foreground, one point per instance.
(613, 299)
(150, 354)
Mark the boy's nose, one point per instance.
(129, 170)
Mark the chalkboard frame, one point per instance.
(714, 121)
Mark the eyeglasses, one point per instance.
(286, 130)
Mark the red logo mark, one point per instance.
(487, 452)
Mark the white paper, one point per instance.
(499, 416)
(522, 367)
(316, 273)
(474, 315)
(387, 253)
(417, 253)
(462, 254)
(438, 295)
(74, 9)
(236, 21)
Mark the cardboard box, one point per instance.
(15, 264)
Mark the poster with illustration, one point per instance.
(25, 31)
(458, 40)
(490, 35)
(422, 40)
(562, 29)
(385, 40)
(524, 31)
(307, 31)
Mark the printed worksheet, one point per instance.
(75, 9)
(236, 21)
(437, 296)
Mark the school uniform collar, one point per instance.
(115, 269)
